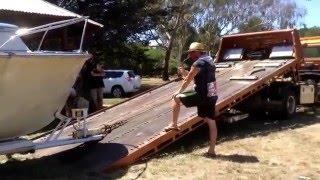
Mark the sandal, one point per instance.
(169, 128)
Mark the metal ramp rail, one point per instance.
(146, 116)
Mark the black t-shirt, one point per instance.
(205, 80)
(94, 81)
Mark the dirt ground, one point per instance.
(248, 149)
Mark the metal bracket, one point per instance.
(271, 63)
(53, 140)
(275, 65)
(255, 71)
(224, 65)
(250, 78)
(80, 135)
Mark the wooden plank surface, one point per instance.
(150, 113)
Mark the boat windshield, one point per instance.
(10, 35)
(8, 39)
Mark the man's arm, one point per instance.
(182, 71)
(193, 72)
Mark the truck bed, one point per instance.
(148, 114)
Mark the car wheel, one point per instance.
(117, 92)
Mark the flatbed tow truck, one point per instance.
(254, 71)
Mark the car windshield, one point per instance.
(131, 74)
(113, 74)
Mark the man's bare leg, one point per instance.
(94, 97)
(213, 135)
(100, 98)
(175, 114)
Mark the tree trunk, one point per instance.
(165, 73)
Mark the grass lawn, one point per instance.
(248, 149)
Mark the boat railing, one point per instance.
(51, 26)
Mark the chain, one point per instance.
(109, 128)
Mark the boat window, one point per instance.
(15, 44)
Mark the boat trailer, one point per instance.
(81, 134)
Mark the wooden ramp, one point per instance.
(147, 115)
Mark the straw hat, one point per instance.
(196, 46)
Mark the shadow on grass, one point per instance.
(83, 162)
(237, 158)
(238, 130)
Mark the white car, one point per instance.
(120, 82)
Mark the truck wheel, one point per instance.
(117, 91)
(289, 105)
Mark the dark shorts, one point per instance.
(205, 106)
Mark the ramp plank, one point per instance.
(149, 114)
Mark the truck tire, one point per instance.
(289, 105)
(117, 91)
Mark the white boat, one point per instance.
(33, 85)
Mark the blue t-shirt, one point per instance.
(205, 80)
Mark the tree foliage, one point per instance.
(225, 16)
(176, 28)
(121, 41)
(174, 24)
(208, 20)
(313, 31)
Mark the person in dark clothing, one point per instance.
(96, 85)
(204, 96)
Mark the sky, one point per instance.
(312, 17)
(313, 12)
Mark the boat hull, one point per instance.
(32, 88)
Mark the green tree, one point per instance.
(253, 25)
(175, 28)
(313, 31)
(174, 24)
(121, 41)
(226, 16)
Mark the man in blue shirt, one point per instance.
(204, 96)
